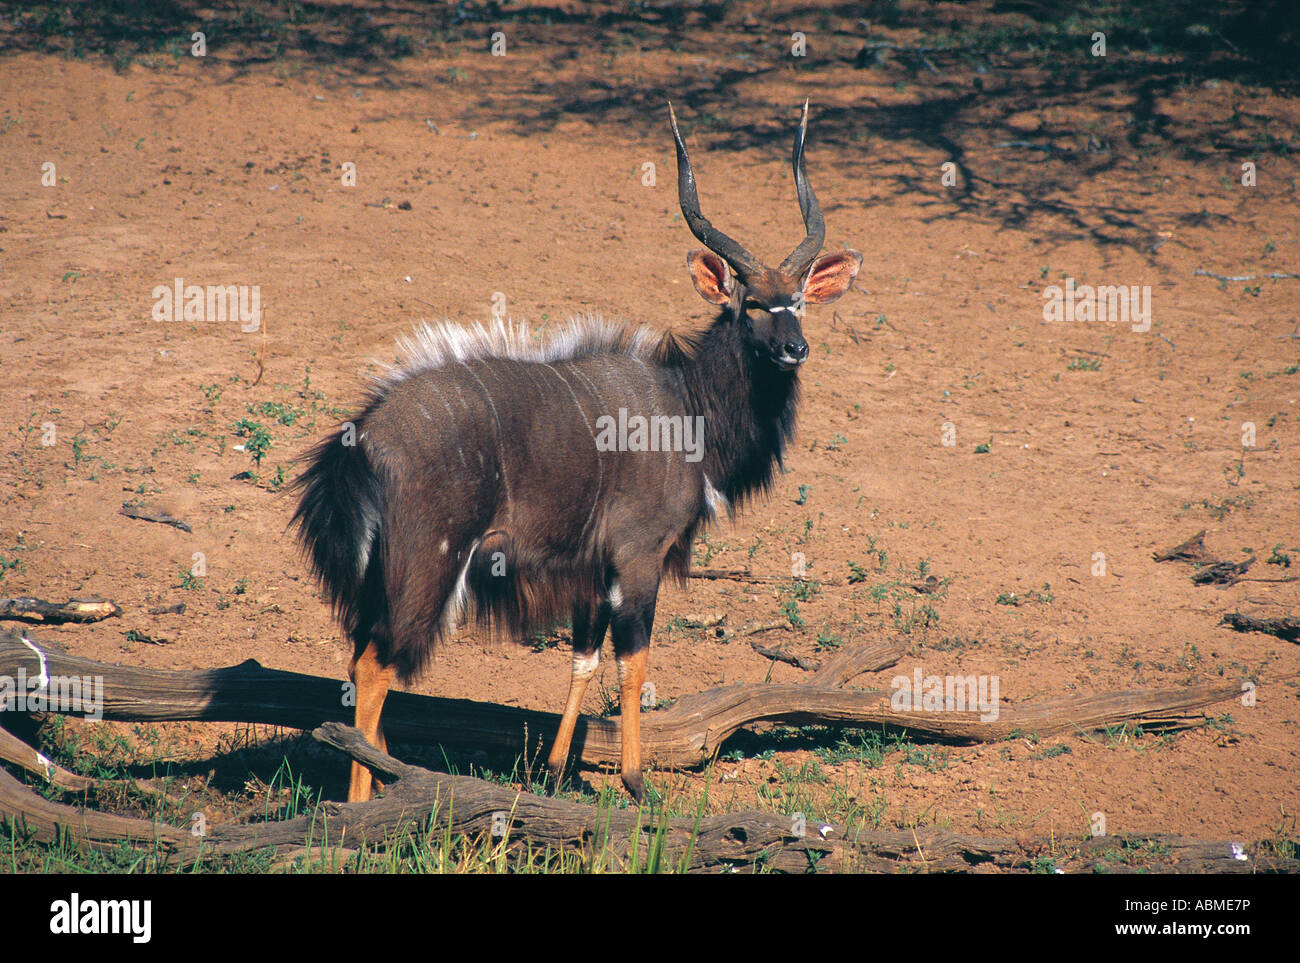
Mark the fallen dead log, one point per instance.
(1287, 627)
(737, 575)
(780, 655)
(754, 628)
(14, 750)
(711, 620)
(146, 514)
(426, 801)
(1192, 550)
(846, 664)
(850, 662)
(27, 609)
(28, 814)
(1222, 573)
(1210, 570)
(684, 734)
(1274, 276)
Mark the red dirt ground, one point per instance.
(523, 175)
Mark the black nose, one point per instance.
(796, 349)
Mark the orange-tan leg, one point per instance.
(588, 635)
(584, 667)
(372, 681)
(631, 673)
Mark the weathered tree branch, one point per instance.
(736, 575)
(27, 609)
(686, 733)
(780, 655)
(1192, 550)
(1274, 276)
(1287, 627)
(13, 749)
(146, 514)
(742, 842)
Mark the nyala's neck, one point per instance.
(748, 407)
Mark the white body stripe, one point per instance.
(455, 607)
(370, 522)
(714, 500)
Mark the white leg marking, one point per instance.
(584, 666)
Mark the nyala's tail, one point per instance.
(339, 516)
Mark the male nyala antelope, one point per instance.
(480, 469)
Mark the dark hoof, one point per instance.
(635, 786)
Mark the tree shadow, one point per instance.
(1016, 96)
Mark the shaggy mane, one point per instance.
(438, 344)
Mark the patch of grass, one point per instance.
(954, 643)
(548, 638)
(704, 549)
(259, 439)
(1125, 734)
(804, 590)
(80, 445)
(13, 563)
(1222, 509)
(929, 758)
(1138, 852)
(920, 615)
(1284, 842)
(790, 609)
(1043, 596)
(1224, 729)
(791, 594)
(866, 746)
(828, 641)
(281, 412)
(1051, 752)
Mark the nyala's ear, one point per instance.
(830, 276)
(711, 275)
